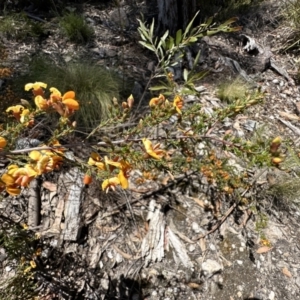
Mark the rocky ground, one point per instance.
(179, 242)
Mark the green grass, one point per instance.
(75, 28)
(291, 14)
(94, 86)
(226, 10)
(18, 26)
(230, 91)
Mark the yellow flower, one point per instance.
(110, 183)
(15, 111)
(157, 100)
(10, 185)
(3, 142)
(24, 175)
(96, 160)
(65, 105)
(25, 115)
(41, 103)
(55, 95)
(35, 86)
(124, 167)
(33, 264)
(153, 151)
(123, 179)
(178, 103)
(46, 161)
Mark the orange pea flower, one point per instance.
(46, 161)
(96, 160)
(3, 142)
(8, 183)
(157, 100)
(16, 111)
(110, 183)
(23, 176)
(125, 169)
(178, 103)
(37, 88)
(153, 151)
(41, 103)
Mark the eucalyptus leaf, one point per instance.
(187, 30)
(196, 59)
(151, 29)
(158, 88)
(178, 37)
(185, 75)
(146, 45)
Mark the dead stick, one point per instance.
(229, 211)
(34, 204)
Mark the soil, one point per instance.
(205, 253)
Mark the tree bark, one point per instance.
(175, 14)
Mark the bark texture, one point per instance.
(175, 14)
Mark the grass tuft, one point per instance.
(75, 28)
(230, 91)
(19, 26)
(226, 9)
(291, 14)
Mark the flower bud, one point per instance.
(276, 160)
(130, 101)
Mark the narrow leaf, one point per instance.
(185, 75)
(151, 29)
(196, 59)
(178, 37)
(190, 25)
(150, 47)
(158, 87)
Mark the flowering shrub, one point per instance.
(48, 157)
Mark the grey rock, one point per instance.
(119, 17)
(210, 267)
(24, 143)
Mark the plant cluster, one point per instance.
(186, 144)
(76, 28)
(19, 26)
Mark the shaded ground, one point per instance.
(205, 254)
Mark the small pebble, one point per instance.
(239, 262)
(271, 295)
(192, 248)
(212, 247)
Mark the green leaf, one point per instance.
(190, 25)
(185, 75)
(178, 37)
(209, 21)
(162, 41)
(192, 39)
(151, 29)
(143, 37)
(165, 35)
(196, 59)
(170, 43)
(158, 88)
(146, 45)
